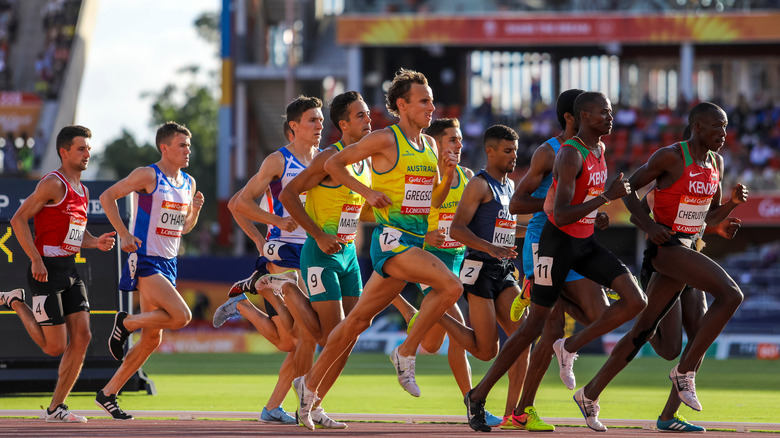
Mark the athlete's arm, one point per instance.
(541, 165)
(309, 177)
(247, 226)
(49, 190)
(142, 179)
(568, 164)
(448, 166)
(193, 212)
(246, 203)
(477, 192)
(739, 194)
(379, 145)
(656, 167)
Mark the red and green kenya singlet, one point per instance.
(683, 206)
(336, 209)
(409, 185)
(589, 185)
(60, 227)
(441, 218)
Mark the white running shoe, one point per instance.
(276, 281)
(6, 298)
(306, 400)
(590, 410)
(686, 387)
(404, 367)
(565, 363)
(322, 421)
(228, 309)
(62, 414)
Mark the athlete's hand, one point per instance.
(330, 243)
(130, 243)
(602, 220)
(435, 238)
(106, 241)
(378, 199)
(198, 200)
(739, 194)
(450, 161)
(501, 252)
(659, 234)
(728, 228)
(39, 271)
(286, 224)
(618, 188)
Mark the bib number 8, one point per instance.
(271, 250)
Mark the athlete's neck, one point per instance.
(73, 176)
(304, 152)
(496, 173)
(347, 139)
(169, 170)
(413, 133)
(698, 151)
(589, 140)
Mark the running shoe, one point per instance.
(306, 400)
(521, 302)
(492, 420)
(475, 413)
(590, 410)
(611, 294)
(513, 422)
(686, 387)
(533, 423)
(245, 286)
(109, 404)
(276, 416)
(119, 335)
(678, 424)
(411, 322)
(276, 281)
(227, 310)
(62, 414)
(322, 421)
(565, 363)
(6, 298)
(404, 367)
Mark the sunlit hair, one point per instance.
(438, 126)
(339, 107)
(399, 88)
(67, 134)
(496, 133)
(167, 130)
(300, 105)
(701, 109)
(584, 101)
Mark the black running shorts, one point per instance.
(62, 295)
(486, 278)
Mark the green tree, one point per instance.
(124, 154)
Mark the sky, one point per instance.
(138, 46)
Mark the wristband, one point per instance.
(604, 197)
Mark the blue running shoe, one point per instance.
(678, 424)
(227, 310)
(276, 416)
(492, 420)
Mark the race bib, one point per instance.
(132, 264)
(535, 253)
(39, 308)
(445, 222)
(170, 222)
(73, 239)
(470, 271)
(504, 233)
(302, 197)
(543, 271)
(417, 194)
(590, 219)
(389, 239)
(271, 250)
(691, 213)
(348, 222)
(314, 280)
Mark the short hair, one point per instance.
(167, 130)
(300, 105)
(701, 109)
(565, 104)
(67, 134)
(585, 100)
(439, 125)
(288, 132)
(496, 133)
(399, 88)
(339, 107)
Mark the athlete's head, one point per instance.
(350, 114)
(565, 104)
(447, 134)
(300, 105)
(167, 131)
(400, 88)
(708, 124)
(500, 143)
(593, 111)
(304, 115)
(67, 136)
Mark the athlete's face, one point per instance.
(503, 155)
(418, 107)
(359, 124)
(309, 128)
(598, 117)
(77, 157)
(451, 140)
(178, 150)
(711, 129)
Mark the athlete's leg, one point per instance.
(296, 301)
(169, 311)
(72, 360)
(52, 339)
(274, 328)
(667, 341)
(282, 387)
(516, 372)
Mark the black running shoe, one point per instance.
(245, 286)
(475, 412)
(119, 335)
(108, 404)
